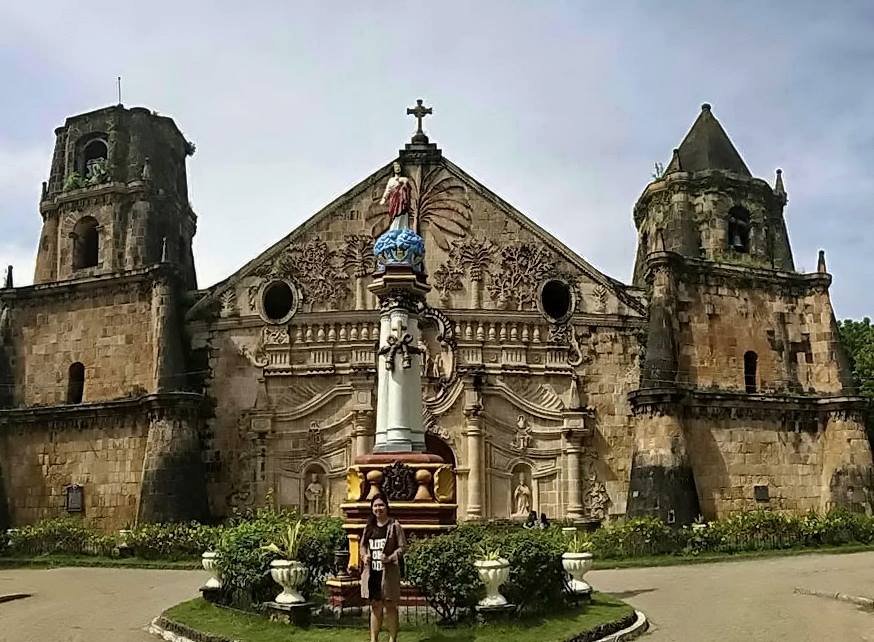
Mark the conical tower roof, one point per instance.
(705, 147)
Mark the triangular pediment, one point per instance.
(471, 235)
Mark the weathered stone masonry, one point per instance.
(713, 384)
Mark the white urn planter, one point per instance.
(493, 573)
(289, 574)
(577, 565)
(208, 560)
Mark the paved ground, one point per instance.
(750, 600)
(90, 604)
(729, 602)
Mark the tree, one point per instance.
(858, 340)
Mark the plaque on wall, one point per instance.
(74, 500)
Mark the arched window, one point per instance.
(94, 151)
(86, 243)
(739, 229)
(751, 361)
(75, 383)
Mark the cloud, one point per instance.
(561, 108)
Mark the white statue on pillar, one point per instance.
(397, 195)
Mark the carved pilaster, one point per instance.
(573, 450)
(362, 432)
(474, 433)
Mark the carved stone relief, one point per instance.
(596, 501)
(600, 293)
(468, 256)
(228, 301)
(314, 438)
(513, 285)
(315, 267)
(438, 199)
(522, 437)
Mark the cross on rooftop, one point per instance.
(419, 111)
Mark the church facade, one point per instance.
(713, 383)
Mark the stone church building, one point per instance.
(713, 383)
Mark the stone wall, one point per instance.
(800, 465)
(108, 329)
(103, 454)
(790, 327)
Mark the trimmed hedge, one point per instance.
(65, 535)
(173, 541)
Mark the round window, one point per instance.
(278, 302)
(556, 300)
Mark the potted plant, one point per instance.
(287, 571)
(577, 561)
(209, 560)
(493, 570)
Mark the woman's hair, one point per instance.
(543, 519)
(371, 520)
(532, 516)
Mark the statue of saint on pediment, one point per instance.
(397, 195)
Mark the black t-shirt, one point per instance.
(376, 545)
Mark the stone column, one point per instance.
(574, 486)
(474, 433)
(362, 434)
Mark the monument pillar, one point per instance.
(419, 485)
(399, 427)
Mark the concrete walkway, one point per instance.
(730, 601)
(90, 604)
(750, 600)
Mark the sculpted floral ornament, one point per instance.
(315, 267)
(523, 267)
(401, 246)
(400, 482)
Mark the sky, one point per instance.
(561, 108)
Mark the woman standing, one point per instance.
(382, 546)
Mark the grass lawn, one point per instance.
(206, 617)
(705, 558)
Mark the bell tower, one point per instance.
(734, 331)
(707, 205)
(117, 197)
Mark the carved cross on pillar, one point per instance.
(419, 111)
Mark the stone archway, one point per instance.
(437, 446)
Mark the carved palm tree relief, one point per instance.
(439, 200)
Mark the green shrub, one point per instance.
(173, 541)
(636, 537)
(245, 564)
(65, 535)
(537, 578)
(441, 568)
(321, 538)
